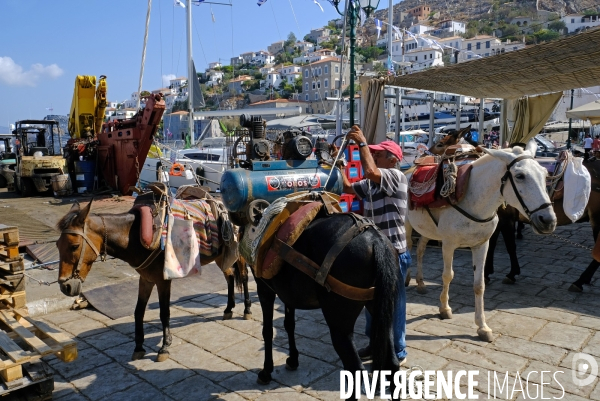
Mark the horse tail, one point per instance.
(240, 273)
(386, 293)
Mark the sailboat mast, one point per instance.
(190, 72)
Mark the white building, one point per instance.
(131, 103)
(315, 34)
(484, 46)
(576, 22)
(315, 56)
(424, 58)
(216, 64)
(305, 46)
(235, 61)
(448, 28)
(214, 77)
(123, 114)
(419, 29)
(262, 57)
(178, 84)
(276, 47)
(272, 79)
(291, 78)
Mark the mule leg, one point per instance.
(267, 303)
(409, 244)
(489, 260)
(144, 291)
(228, 314)
(291, 363)
(247, 301)
(520, 227)
(164, 300)
(585, 278)
(508, 233)
(479, 252)
(421, 246)
(447, 276)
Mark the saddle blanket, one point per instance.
(190, 231)
(423, 184)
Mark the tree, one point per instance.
(557, 25)
(144, 93)
(291, 40)
(298, 84)
(546, 35)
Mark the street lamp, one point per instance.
(354, 7)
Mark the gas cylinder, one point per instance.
(270, 180)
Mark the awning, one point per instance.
(302, 121)
(590, 111)
(572, 62)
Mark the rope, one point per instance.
(144, 53)
(419, 188)
(449, 180)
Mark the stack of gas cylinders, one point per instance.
(354, 172)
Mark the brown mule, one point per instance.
(85, 236)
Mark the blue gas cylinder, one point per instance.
(271, 180)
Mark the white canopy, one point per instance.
(590, 111)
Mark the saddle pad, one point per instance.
(151, 211)
(204, 223)
(289, 233)
(422, 184)
(146, 227)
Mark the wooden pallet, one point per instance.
(9, 243)
(12, 266)
(36, 384)
(24, 340)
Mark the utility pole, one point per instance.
(570, 121)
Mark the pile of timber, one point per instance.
(24, 341)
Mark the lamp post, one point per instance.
(354, 7)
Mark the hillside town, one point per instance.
(307, 72)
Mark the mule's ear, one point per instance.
(464, 131)
(531, 147)
(83, 214)
(75, 208)
(501, 154)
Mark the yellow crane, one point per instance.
(88, 106)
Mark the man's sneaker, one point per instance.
(365, 353)
(402, 362)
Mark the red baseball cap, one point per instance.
(390, 146)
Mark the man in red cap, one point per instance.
(384, 191)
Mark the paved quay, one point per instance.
(538, 326)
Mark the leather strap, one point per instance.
(149, 259)
(85, 237)
(361, 225)
(508, 175)
(310, 268)
(468, 216)
(430, 214)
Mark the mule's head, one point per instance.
(524, 186)
(452, 138)
(77, 247)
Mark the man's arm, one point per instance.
(348, 189)
(368, 164)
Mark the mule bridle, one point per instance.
(86, 239)
(508, 176)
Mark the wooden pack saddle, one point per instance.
(428, 177)
(276, 245)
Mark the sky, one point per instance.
(44, 45)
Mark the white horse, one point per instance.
(501, 176)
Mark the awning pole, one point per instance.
(481, 117)
(398, 116)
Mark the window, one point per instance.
(326, 94)
(326, 84)
(337, 83)
(572, 20)
(319, 70)
(319, 84)
(317, 96)
(335, 93)
(487, 44)
(487, 54)
(478, 45)
(326, 69)
(314, 85)
(469, 56)
(306, 86)
(306, 98)
(269, 76)
(430, 55)
(469, 47)
(337, 69)
(306, 73)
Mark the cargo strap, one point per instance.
(321, 273)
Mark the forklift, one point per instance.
(38, 155)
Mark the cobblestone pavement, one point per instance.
(538, 326)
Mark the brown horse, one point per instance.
(85, 236)
(507, 217)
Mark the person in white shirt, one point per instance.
(587, 146)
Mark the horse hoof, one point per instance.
(227, 315)
(446, 314)
(264, 380)
(290, 368)
(138, 355)
(291, 364)
(247, 316)
(575, 288)
(508, 280)
(162, 356)
(485, 335)
(422, 290)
